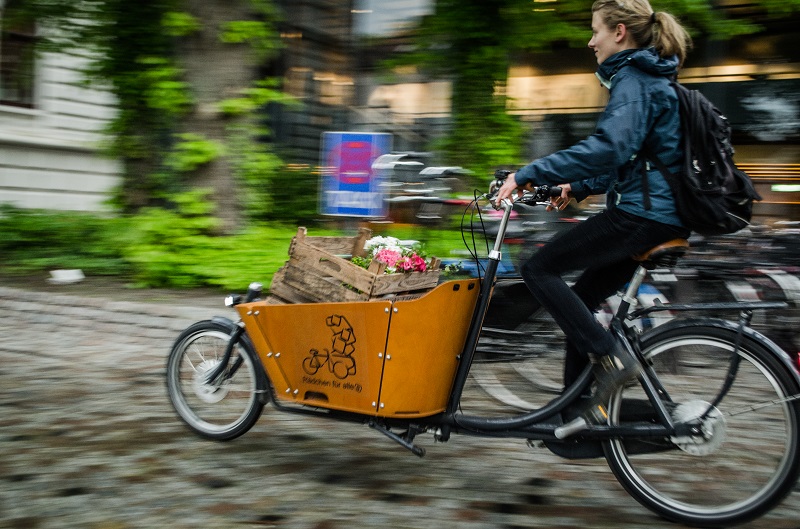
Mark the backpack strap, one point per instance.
(663, 169)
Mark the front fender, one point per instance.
(748, 334)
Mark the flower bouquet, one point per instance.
(397, 257)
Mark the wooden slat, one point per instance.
(275, 300)
(393, 283)
(322, 263)
(341, 246)
(320, 288)
(286, 292)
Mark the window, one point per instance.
(17, 41)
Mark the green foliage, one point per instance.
(32, 241)
(191, 151)
(133, 48)
(256, 166)
(162, 245)
(174, 248)
(293, 191)
(259, 95)
(178, 249)
(259, 35)
(156, 248)
(362, 262)
(178, 24)
(164, 91)
(469, 42)
(255, 163)
(486, 140)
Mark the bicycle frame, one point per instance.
(534, 424)
(539, 424)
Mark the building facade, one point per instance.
(51, 128)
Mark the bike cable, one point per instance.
(472, 209)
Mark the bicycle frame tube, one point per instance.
(487, 287)
(526, 421)
(468, 353)
(213, 376)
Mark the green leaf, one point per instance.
(179, 24)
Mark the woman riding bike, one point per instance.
(638, 52)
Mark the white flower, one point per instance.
(375, 244)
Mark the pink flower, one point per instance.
(390, 257)
(398, 258)
(411, 263)
(405, 264)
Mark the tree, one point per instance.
(185, 75)
(473, 43)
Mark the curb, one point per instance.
(27, 306)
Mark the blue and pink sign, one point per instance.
(350, 187)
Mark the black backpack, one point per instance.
(712, 195)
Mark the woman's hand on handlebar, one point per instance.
(509, 190)
(561, 202)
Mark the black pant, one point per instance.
(602, 247)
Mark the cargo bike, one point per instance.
(707, 435)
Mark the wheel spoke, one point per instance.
(759, 406)
(222, 410)
(743, 462)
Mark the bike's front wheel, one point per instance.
(747, 458)
(223, 409)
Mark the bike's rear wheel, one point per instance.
(749, 459)
(220, 411)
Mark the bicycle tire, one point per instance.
(750, 460)
(521, 366)
(221, 411)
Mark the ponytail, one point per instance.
(648, 28)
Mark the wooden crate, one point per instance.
(319, 270)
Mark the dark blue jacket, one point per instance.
(642, 110)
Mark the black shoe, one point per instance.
(611, 372)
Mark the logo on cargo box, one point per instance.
(339, 358)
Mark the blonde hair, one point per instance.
(648, 28)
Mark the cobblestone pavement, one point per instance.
(89, 440)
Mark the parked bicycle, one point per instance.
(707, 435)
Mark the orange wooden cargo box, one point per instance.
(382, 357)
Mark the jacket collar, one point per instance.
(646, 59)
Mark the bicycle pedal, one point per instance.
(571, 428)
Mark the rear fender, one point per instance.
(748, 333)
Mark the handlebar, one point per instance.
(538, 195)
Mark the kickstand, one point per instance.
(405, 440)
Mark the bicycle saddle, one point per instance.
(664, 255)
